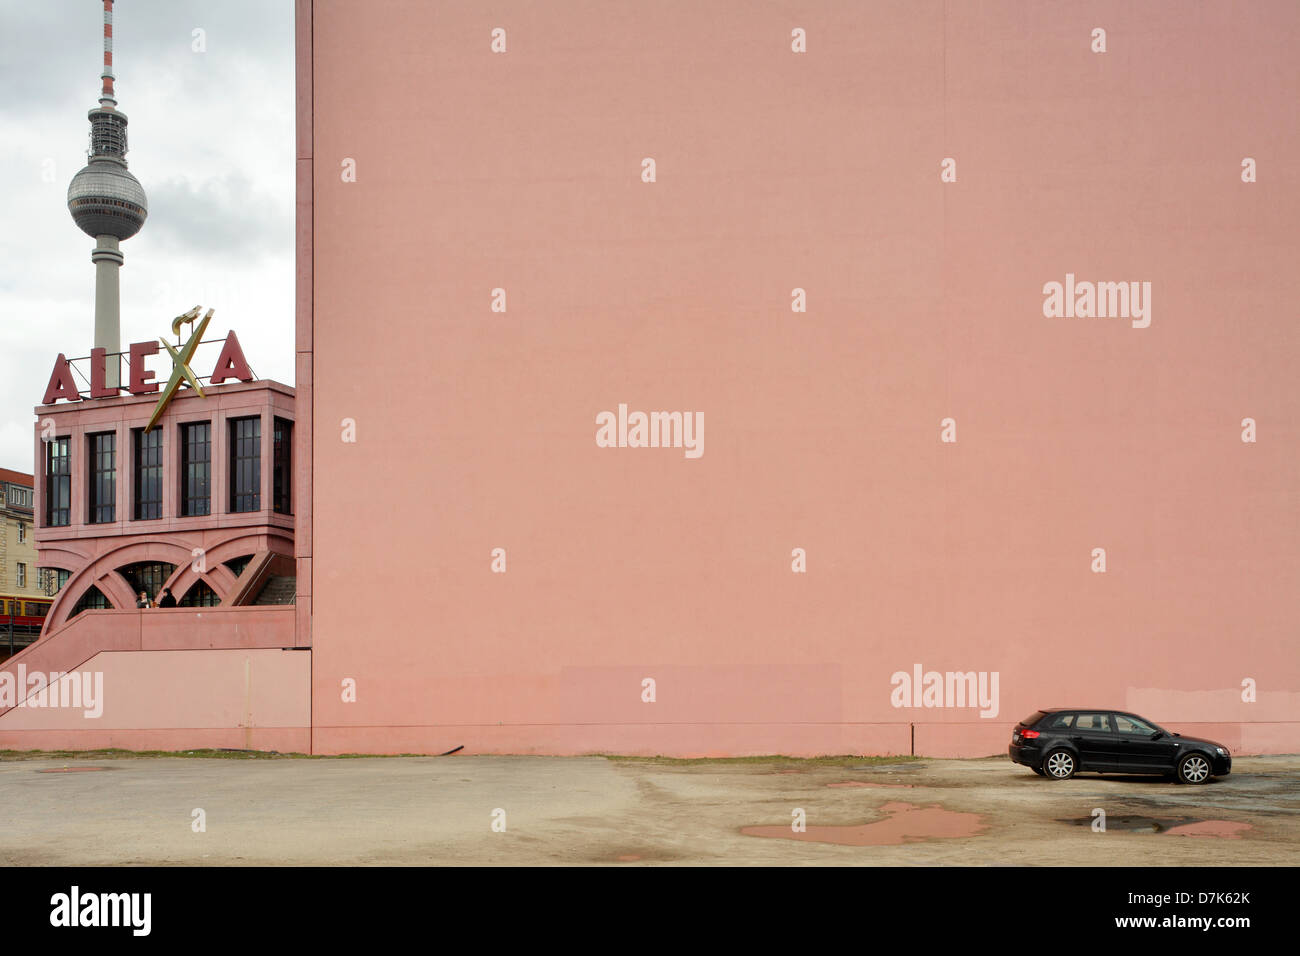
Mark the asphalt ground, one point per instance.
(110, 809)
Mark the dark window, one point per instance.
(200, 595)
(196, 468)
(147, 576)
(1131, 725)
(1059, 722)
(92, 600)
(245, 464)
(52, 579)
(58, 482)
(1094, 723)
(282, 476)
(237, 565)
(148, 473)
(103, 477)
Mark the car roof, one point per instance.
(1102, 710)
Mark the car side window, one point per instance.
(1095, 723)
(1131, 725)
(1060, 722)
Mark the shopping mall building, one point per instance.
(991, 321)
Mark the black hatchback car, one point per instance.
(1060, 742)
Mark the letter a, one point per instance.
(61, 384)
(231, 363)
(901, 695)
(1052, 305)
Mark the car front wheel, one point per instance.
(1059, 765)
(1194, 768)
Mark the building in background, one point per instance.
(18, 571)
(25, 588)
(197, 499)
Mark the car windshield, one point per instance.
(1033, 718)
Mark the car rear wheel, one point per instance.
(1194, 768)
(1040, 771)
(1059, 765)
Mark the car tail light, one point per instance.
(1029, 734)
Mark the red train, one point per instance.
(21, 618)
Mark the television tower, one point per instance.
(108, 203)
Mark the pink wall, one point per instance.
(179, 700)
(171, 679)
(476, 430)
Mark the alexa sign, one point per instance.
(230, 364)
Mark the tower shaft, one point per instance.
(108, 319)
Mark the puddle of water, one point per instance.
(71, 769)
(1132, 824)
(859, 783)
(1180, 826)
(904, 823)
(1224, 829)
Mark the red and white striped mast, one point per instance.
(106, 99)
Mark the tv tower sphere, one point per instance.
(106, 200)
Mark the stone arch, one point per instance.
(216, 575)
(100, 569)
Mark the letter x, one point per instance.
(180, 362)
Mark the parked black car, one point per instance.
(1060, 742)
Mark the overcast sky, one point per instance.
(211, 139)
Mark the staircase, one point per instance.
(279, 589)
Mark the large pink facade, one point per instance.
(922, 172)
